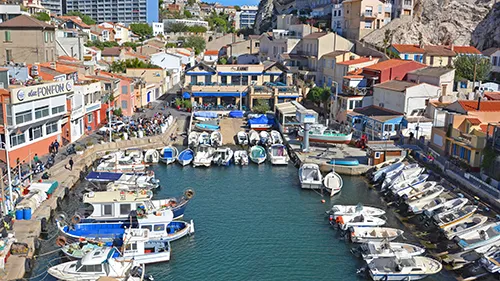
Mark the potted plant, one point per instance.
(90, 144)
(79, 149)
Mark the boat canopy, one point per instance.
(206, 114)
(236, 114)
(45, 186)
(103, 176)
(261, 120)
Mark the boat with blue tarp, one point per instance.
(344, 162)
(261, 122)
(207, 127)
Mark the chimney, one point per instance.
(370, 57)
(452, 47)
(478, 103)
(53, 65)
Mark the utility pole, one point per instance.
(4, 205)
(475, 64)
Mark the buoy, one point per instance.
(330, 218)
(76, 219)
(323, 201)
(61, 241)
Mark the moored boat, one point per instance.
(276, 137)
(408, 172)
(344, 162)
(207, 127)
(168, 154)
(223, 156)
(240, 157)
(253, 137)
(403, 268)
(242, 138)
(448, 218)
(450, 205)
(406, 186)
(374, 234)
(491, 261)
(193, 139)
(203, 156)
(203, 138)
(372, 250)
(381, 173)
(482, 236)
(151, 156)
(467, 225)
(419, 206)
(265, 138)
(79, 249)
(278, 155)
(321, 133)
(346, 222)
(340, 210)
(310, 176)
(185, 157)
(333, 182)
(424, 193)
(216, 138)
(257, 154)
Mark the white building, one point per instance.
(85, 100)
(158, 28)
(408, 98)
(188, 58)
(337, 18)
(188, 22)
(170, 62)
(441, 77)
(494, 55)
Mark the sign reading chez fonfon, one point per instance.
(41, 91)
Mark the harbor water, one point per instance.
(252, 223)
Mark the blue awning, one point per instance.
(288, 97)
(240, 73)
(273, 73)
(218, 94)
(186, 95)
(199, 73)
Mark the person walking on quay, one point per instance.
(56, 146)
(51, 147)
(71, 164)
(35, 159)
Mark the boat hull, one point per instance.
(327, 139)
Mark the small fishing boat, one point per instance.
(373, 250)
(185, 157)
(257, 154)
(419, 206)
(151, 156)
(374, 234)
(451, 217)
(265, 138)
(424, 193)
(124, 165)
(467, 225)
(406, 186)
(193, 139)
(491, 261)
(350, 210)
(482, 236)
(278, 155)
(79, 249)
(333, 182)
(260, 122)
(133, 182)
(409, 172)
(203, 156)
(450, 205)
(403, 268)
(203, 138)
(205, 115)
(242, 138)
(168, 154)
(253, 137)
(240, 157)
(345, 222)
(418, 188)
(207, 127)
(321, 133)
(98, 264)
(344, 162)
(381, 173)
(276, 137)
(460, 259)
(216, 138)
(223, 156)
(310, 176)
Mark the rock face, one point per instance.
(267, 12)
(487, 33)
(437, 22)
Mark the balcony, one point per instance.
(369, 15)
(218, 88)
(476, 140)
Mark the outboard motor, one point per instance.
(50, 161)
(71, 149)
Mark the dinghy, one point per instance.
(276, 137)
(374, 234)
(333, 182)
(381, 173)
(310, 176)
(419, 206)
(450, 205)
(322, 134)
(278, 155)
(216, 139)
(418, 188)
(242, 137)
(193, 139)
(185, 157)
(223, 156)
(482, 236)
(425, 193)
(203, 138)
(345, 222)
(207, 127)
(240, 157)
(203, 156)
(257, 154)
(373, 250)
(467, 225)
(151, 156)
(406, 186)
(451, 217)
(253, 137)
(265, 138)
(350, 210)
(168, 154)
(403, 268)
(79, 249)
(410, 171)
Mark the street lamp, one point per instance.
(336, 99)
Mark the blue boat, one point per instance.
(344, 162)
(168, 154)
(185, 157)
(262, 122)
(207, 127)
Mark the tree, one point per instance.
(142, 29)
(132, 45)
(188, 14)
(86, 19)
(318, 95)
(171, 45)
(197, 29)
(122, 65)
(177, 27)
(195, 42)
(261, 106)
(237, 8)
(42, 16)
(101, 45)
(465, 66)
(191, 2)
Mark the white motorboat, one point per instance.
(278, 155)
(392, 173)
(95, 265)
(193, 139)
(351, 210)
(426, 194)
(257, 154)
(169, 154)
(405, 187)
(79, 249)
(276, 137)
(374, 234)
(310, 176)
(265, 138)
(321, 133)
(253, 137)
(451, 217)
(216, 138)
(242, 138)
(381, 173)
(204, 156)
(151, 156)
(419, 206)
(185, 157)
(203, 138)
(418, 188)
(404, 268)
(410, 171)
(491, 261)
(450, 205)
(482, 236)
(373, 250)
(223, 156)
(460, 259)
(467, 225)
(133, 182)
(333, 182)
(345, 222)
(240, 157)
(124, 165)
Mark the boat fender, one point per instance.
(81, 239)
(61, 217)
(37, 243)
(28, 265)
(61, 241)
(189, 194)
(43, 225)
(330, 218)
(76, 219)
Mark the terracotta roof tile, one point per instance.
(111, 52)
(473, 121)
(211, 52)
(356, 61)
(492, 95)
(24, 21)
(439, 50)
(466, 50)
(471, 105)
(490, 51)
(484, 128)
(67, 58)
(388, 64)
(407, 48)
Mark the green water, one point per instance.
(255, 223)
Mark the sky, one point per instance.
(237, 2)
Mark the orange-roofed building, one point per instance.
(53, 71)
(393, 69)
(492, 95)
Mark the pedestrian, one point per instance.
(410, 140)
(36, 158)
(71, 164)
(56, 146)
(51, 147)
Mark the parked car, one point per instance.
(114, 126)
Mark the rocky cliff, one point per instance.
(487, 33)
(439, 22)
(268, 10)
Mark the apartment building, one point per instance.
(55, 6)
(494, 55)
(123, 11)
(363, 16)
(85, 114)
(9, 11)
(402, 8)
(338, 18)
(246, 17)
(432, 55)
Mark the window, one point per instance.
(51, 128)
(380, 9)
(494, 61)
(124, 90)
(340, 13)
(46, 34)
(377, 155)
(51, 37)
(58, 109)
(41, 112)
(89, 118)
(125, 209)
(159, 227)
(254, 77)
(35, 133)
(17, 139)
(397, 127)
(124, 104)
(107, 210)
(387, 127)
(91, 268)
(23, 117)
(369, 11)
(335, 13)
(223, 79)
(131, 247)
(148, 227)
(8, 55)
(7, 36)
(368, 24)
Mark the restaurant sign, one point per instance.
(41, 91)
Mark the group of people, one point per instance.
(149, 125)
